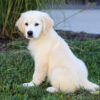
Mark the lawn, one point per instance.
(17, 67)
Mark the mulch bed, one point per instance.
(82, 36)
(3, 43)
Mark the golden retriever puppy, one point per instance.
(52, 55)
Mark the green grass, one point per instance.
(17, 67)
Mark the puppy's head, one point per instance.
(34, 23)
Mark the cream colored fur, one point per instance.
(53, 57)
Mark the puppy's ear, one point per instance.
(47, 23)
(20, 24)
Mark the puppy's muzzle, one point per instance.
(30, 34)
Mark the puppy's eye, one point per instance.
(26, 24)
(36, 24)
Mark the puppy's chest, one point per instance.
(39, 49)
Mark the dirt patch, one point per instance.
(64, 34)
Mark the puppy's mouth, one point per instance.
(30, 36)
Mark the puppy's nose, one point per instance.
(30, 33)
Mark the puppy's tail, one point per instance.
(92, 87)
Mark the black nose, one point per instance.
(30, 33)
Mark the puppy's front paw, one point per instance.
(30, 84)
(51, 89)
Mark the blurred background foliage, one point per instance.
(11, 9)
